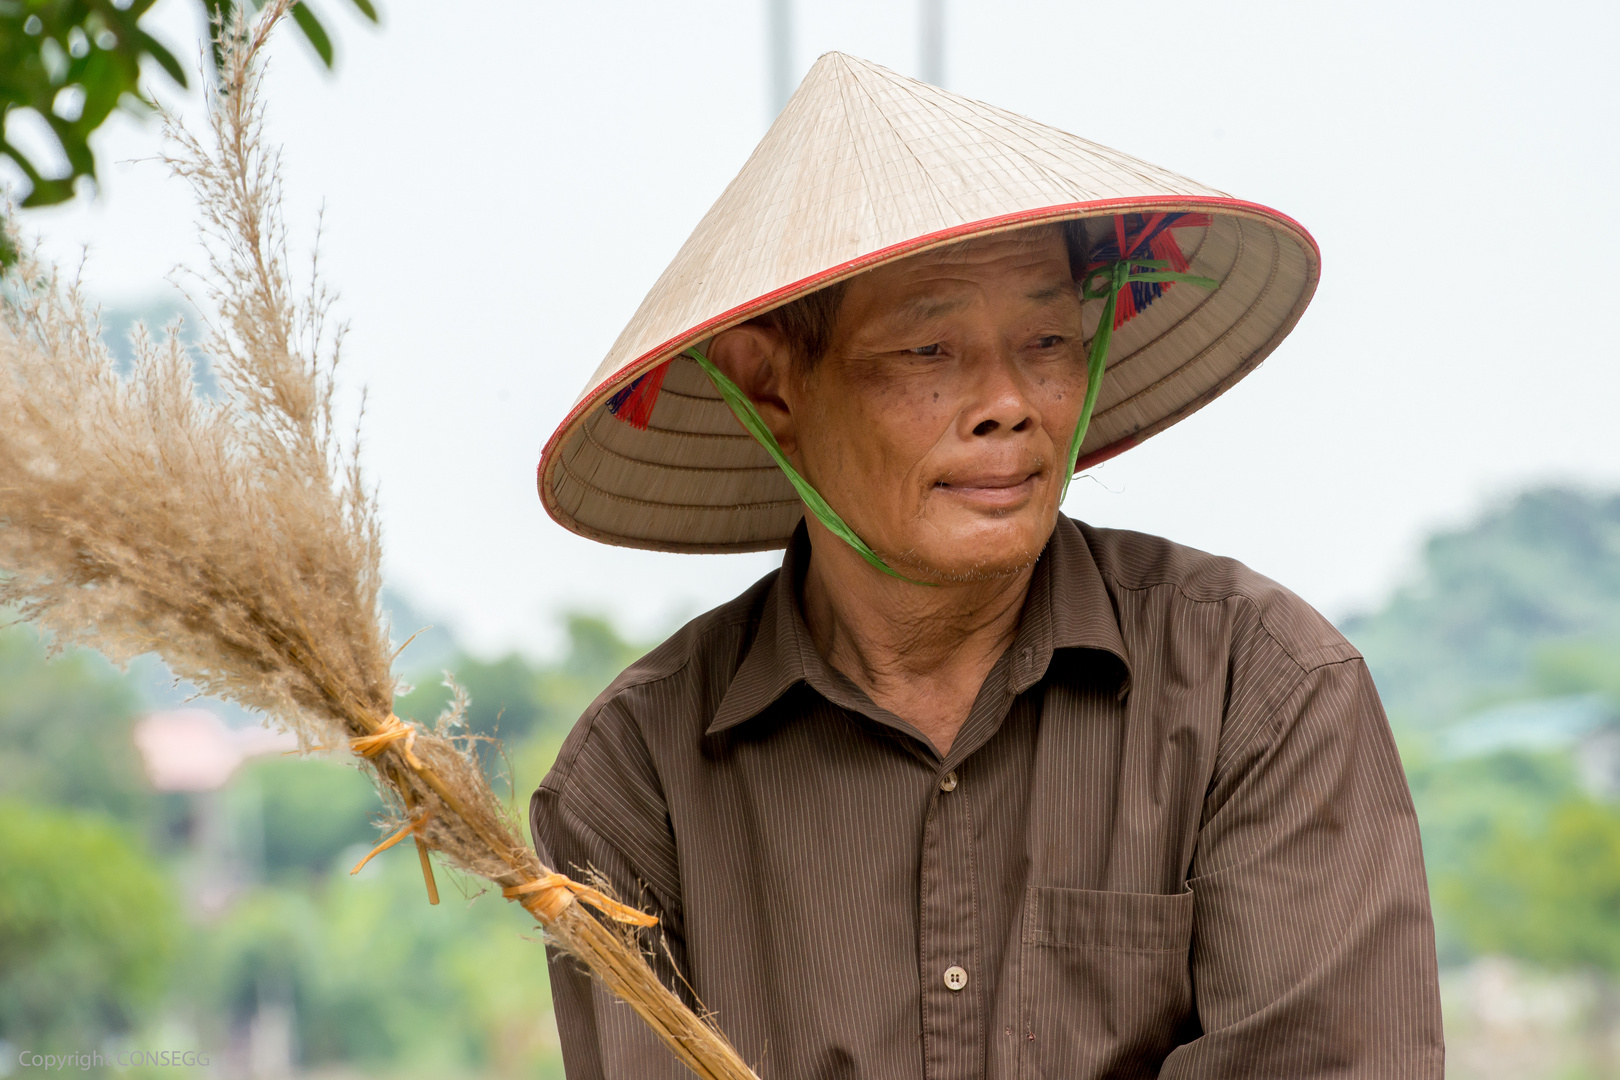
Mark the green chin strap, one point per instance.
(812, 498)
(1119, 274)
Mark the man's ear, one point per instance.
(759, 361)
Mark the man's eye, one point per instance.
(1050, 341)
(926, 350)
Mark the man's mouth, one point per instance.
(997, 491)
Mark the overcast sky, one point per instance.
(502, 181)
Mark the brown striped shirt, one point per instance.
(1173, 838)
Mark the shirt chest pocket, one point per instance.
(1105, 988)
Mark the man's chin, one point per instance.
(970, 573)
(976, 551)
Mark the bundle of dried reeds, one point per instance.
(236, 539)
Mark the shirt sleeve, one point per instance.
(1313, 945)
(602, 1038)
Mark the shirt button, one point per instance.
(955, 977)
(949, 784)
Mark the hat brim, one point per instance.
(693, 480)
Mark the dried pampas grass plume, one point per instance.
(236, 538)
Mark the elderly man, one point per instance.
(968, 788)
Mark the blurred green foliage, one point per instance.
(1463, 806)
(87, 926)
(207, 913)
(1545, 889)
(1521, 835)
(1578, 667)
(70, 63)
(65, 732)
(516, 701)
(375, 977)
(309, 24)
(1538, 574)
(309, 812)
(67, 65)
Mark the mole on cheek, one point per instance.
(936, 395)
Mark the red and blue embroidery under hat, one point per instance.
(634, 404)
(1142, 236)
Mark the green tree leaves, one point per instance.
(67, 65)
(309, 24)
(70, 63)
(514, 698)
(307, 811)
(1537, 573)
(1546, 891)
(87, 927)
(372, 980)
(65, 731)
(375, 979)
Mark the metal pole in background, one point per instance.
(779, 49)
(931, 41)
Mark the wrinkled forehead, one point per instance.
(1028, 249)
(1034, 261)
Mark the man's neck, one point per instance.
(920, 652)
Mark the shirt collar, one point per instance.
(1068, 607)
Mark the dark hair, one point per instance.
(1078, 245)
(808, 322)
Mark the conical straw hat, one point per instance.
(863, 167)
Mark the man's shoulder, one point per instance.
(715, 641)
(676, 686)
(1134, 563)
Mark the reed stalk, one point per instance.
(236, 538)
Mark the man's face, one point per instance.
(938, 422)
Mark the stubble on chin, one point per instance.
(913, 564)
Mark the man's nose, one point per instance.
(1001, 401)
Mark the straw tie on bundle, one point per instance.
(547, 896)
(387, 734)
(411, 828)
